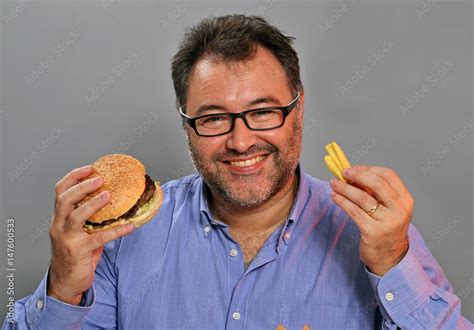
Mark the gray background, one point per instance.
(55, 54)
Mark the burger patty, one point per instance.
(145, 197)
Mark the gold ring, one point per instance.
(372, 210)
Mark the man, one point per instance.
(252, 242)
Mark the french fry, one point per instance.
(330, 150)
(336, 161)
(331, 165)
(340, 155)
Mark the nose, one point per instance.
(241, 138)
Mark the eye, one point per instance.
(213, 121)
(263, 114)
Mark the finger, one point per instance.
(78, 217)
(381, 188)
(65, 202)
(362, 219)
(102, 237)
(96, 254)
(72, 178)
(359, 197)
(389, 175)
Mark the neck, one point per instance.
(265, 217)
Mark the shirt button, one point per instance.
(389, 296)
(39, 304)
(233, 252)
(236, 315)
(207, 229)
(388, 323)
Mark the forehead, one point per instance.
(238, 80)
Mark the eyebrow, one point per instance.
(266, 99)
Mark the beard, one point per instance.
(248, 191)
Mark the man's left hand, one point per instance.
(383, 233)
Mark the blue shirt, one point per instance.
(183, 270)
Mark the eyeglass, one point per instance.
(261, 119)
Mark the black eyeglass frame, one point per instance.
(286, 110)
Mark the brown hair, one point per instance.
(232, 38)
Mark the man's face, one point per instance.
(270, 156)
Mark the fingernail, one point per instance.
(334, 182)
(347, 171)
(129, 227)
(97, 180)
(121, 229)
(104, 195)
(86, 168)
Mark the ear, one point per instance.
(301, 104)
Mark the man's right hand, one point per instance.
(75, 253)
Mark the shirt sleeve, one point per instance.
(416, 293)
(96, 310)
(39, 311)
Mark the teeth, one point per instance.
(248, 162)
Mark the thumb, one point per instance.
(96, 254)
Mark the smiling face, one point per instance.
(244, 168)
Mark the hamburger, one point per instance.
(134, 197)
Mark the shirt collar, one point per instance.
(206, 218)
(301, 198)
(295, 213)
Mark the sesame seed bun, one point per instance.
(124, 178)
(143, 215)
